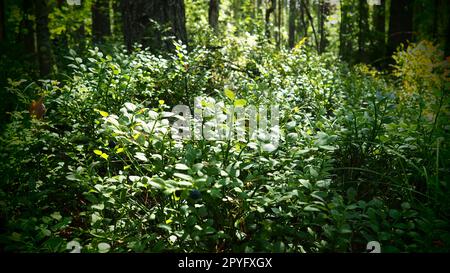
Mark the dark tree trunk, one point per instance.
(345, 33)
(26, 31)
(292, 15)
(2, 21)
(138, 27)
(43, 37)
(302, 23)
(101, 25)
(269, 11)
(279, 20)
(213, 15)
(447, 38)
(311, 21)
(400, 24)
(324, 11)
(379, 39)
(363, 30)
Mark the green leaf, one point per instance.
(181, 167)
(230, 94)
(141, 156)
(310, 208)
(269, 147)
(183, 176)
(56, 215)
(98, 206)
(240, 103)
(131, 107)
(103, 247)
(313, 172)
(103, 113)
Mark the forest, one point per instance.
(224, 126)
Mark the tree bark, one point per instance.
(101, 25)
(345, 33)
(311, 21)
(379, 39)
(363, 30)
(26, 31)
(138, 27)
(324, 11)
(269, 11)
(292, 15)
(213, 15)
(400, 24)
(279, 20)
(2, 21)
(447, 38)
(302, 23)
(43, 37)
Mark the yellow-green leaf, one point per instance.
(120, 150)
(98, 152)
(230, 94)
(105, 156)
(103, 113)
(240, 103)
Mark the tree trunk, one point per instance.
(400, 24)
(43, 38)
(302, 23)
(447, 38)
(324, 11)
(379, 40)
(345, 33)
(101, 25)
(311, 21)
(138, 27)
(213, 16)
(269, 11)
(26, 30)
(278, 24)
(2, 21)
(363, 30)
(292, 15)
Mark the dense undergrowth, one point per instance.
(363, 156)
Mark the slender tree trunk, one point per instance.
(400, 24)
(379, 39)
(311, 21)
(101, 24)
(26, 31)
(80, 33)
(302, 23)
(447, 38)
(279, 19)
(43, 37)
(292, 15)
(213, 16)
(345, 33)
(363, 30)
(138, 27)
(324, 11)
(2, 21)
(269, 11)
